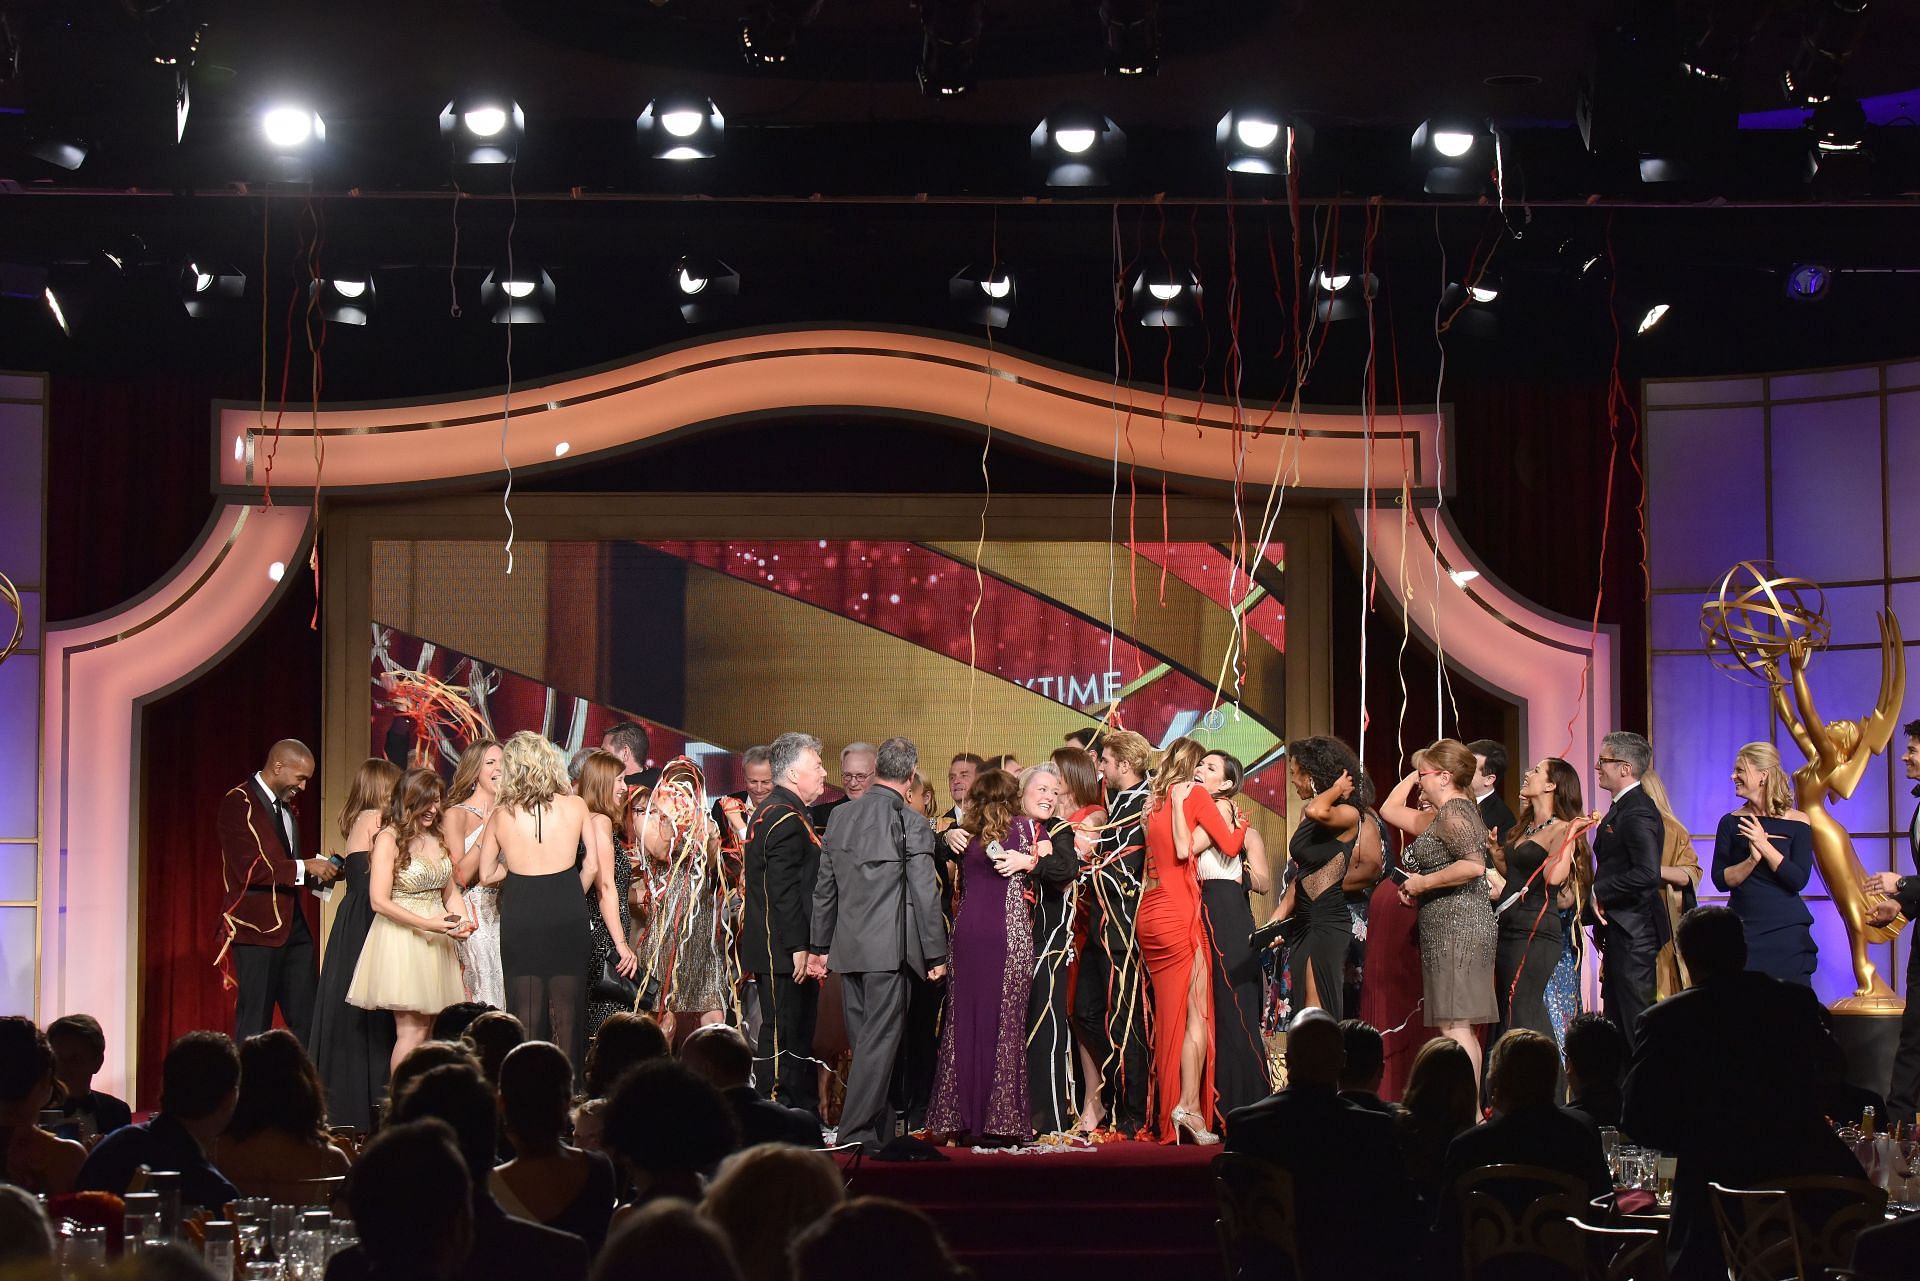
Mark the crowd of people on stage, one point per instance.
(1070, 948)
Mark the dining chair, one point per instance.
(1622, 1254)
(1516, 1222)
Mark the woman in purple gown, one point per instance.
(980, 1085)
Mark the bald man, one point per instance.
(268, 952)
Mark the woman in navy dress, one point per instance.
(1762, 856)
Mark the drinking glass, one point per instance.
(1663, 1167)
(141, 1223)
(280, 1226)
(85, 1250)
(306, 1255)
(250, 1217)
(340, 1235)
(1610, 1145)
(260, 1270)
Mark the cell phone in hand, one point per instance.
(1397, 872)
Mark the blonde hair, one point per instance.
(1453, 756)
(1765, 757)
(1177, 764)
(532, 772)
(766, 1196)
(466, 771)
(1130, 749)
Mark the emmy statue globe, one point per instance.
(1765, 628)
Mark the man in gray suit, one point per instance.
(876, 918)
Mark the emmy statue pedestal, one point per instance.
(1869, 1039)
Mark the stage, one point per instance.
(1107, 1210)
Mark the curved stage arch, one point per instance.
(102, 671)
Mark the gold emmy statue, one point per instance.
(1767, 626)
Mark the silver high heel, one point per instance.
(1189, 1123)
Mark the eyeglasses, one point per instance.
(1609, 760)
(851, 777)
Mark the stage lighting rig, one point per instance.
(1832, 28)
(483, 129)
(295, 138)
(347, 296)
(984, 296)
(949, 43)
(1455, 153)
(681, 127)
(1165, 297)
(1255, 140)
(205, 287)
(1839, 162)
(1809, 282)
(1342, 293)
(521, 295)
(770, 34)
(1077, 146)
(706, 288)
(1132, 31)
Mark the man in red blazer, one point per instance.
(268, 947)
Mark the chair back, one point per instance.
(1256, 1225)
(1829, 1212)
(1622, 1254)
(1516, 1222)
(1757, 1234)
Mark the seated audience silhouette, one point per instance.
(670, 1129)
(766, 1196)
(722, 1056)
(412, 1206)
(1366, 1066)
(849, 1243)
(80, 1051)
(199, 1086)
(1596, 1053)
(549, 1180)
(278, 1136)
(30, 1157)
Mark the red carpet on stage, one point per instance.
(1107, 1211)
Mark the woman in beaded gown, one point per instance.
(470, 799)
(1447, 876)
(672, 827)
(352, 1046)
(603, 787)
(980, 1081)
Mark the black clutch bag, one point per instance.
(613, 987)
(1287, 931)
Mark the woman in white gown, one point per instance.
(470, 799)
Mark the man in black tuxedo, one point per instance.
(1626, 881)
(1489, 776)
(1366, 1066)
(1109, 1015)
(1729, 1076)
(734, 811)
(721, 1055)
(628, 741)
(782, 858)
(1331, 1147)
(1904, 1095)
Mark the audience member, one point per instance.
(79, 1052)
(549, 1181)
(1331, 1147)
(1727, 1076)
(199, 1088)
(666, 1239)
(670, 1129)
(412, 1206)
(1526, 1128)
(1366, 1066)
(721, 1055)
(1886, 1252)
(491, 1036)
(846, 1244)
(451, 1023)
(624, 1041)
(503, 1248)
(1596, 1054)
(278, 1135)
(425, 1057)
(766, 1196)
(35, 1160)
(1442, 1101)
(26, 1234)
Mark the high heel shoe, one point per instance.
(1188, 1124)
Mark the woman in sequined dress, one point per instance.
(673, 829)
(604, 789)
(470, 799)
(980, 1083)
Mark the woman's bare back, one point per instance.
(539, 842)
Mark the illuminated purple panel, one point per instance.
(1714, 391)
(1676, 621)
(1704, 507)
(1824, 382)
(16, 960)
(1903, 486)
(1700, 720)
(20, 747)
(1826, 524)
(1854, 614)
(20, 481)
(19, 872)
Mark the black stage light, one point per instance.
(1342, 293)
(1837, 154)
(205, 287)
(949, 43)
(1165, 297)
(681, 127)
(1256, 140)
(1077, 146)
(1809, 281)
(1831, 30)
(295, 138)
(705, 287)
(483, 129)
(770, 33)
(1132, 31)
(347, 296)
(522, 295)
(984, 296)
(1455, 153)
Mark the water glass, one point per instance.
(1663, 1167)
(306, 1255)
(84, 1250)
(141, 1223)
(260, 1270)
(250, 1216)
(340, 1235)
(280, 1225)
(221, 1248)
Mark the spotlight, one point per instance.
(706, 286)
(984, 296)
(1455, 153)
(1343, 293)
(681, 127)
(521, 296)
(1468, 307)
(1813, 75)
(949, 41)
(1077, 146)
(347, 297)
(206, 287)
(1838, 159)
(1132, 29)
(1654, 315)
(483, 130)
(58, 289)
(1809, 281)
(62, 150)
(1165, 297)
(1256, 140)
(771, 32)
(295, 137)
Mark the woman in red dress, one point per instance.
(1173, 944)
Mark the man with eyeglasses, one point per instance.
(857, 764)
(1626, 882)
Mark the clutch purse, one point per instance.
(1288, 931)
(613, 987)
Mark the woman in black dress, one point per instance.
(604, 788)
(351, 1046)
(1538, 856)
(1313, 910)
(1239, 1051)
(1078, 813)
